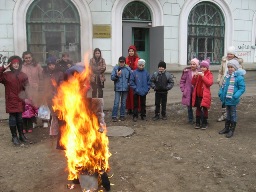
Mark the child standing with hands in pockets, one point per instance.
(140, 84)
(230, 92)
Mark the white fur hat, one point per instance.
(141, 61)
(231, 50)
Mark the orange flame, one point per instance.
(86, 147)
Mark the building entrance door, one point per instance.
(140, 38)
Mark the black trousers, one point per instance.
(27, 123)
(160, 99)
(136, 105)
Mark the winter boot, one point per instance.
(231, 129)
(21, 134)
(204, 123)
(15, 139)
(156, 117)
(226, 129)
(198, 122)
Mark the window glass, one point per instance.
(53, 27)
(206, 33)
(136, 11)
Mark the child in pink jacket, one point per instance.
(28, 116)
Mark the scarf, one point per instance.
(131, 60)
(231, 86)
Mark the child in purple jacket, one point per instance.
(187, 88)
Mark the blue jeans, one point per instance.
(123, 96)
(14, 119)
(190, 114)
(231, 113)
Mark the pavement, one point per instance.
(174, 95)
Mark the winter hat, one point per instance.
(142, 62)
(195, 60)
(231, 50)
(14, 59)
(121, 59)
(132, 47)
(162, 64)
(51, 60)
(205, 63)
(234, 63)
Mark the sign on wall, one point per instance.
(101, 31)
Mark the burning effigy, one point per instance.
(83, 134)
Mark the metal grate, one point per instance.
(136, 11)
(53, 27)
(206, 29)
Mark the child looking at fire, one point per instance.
(120, 75)
(161, 82)
(140, 84)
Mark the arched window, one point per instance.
(136, 11)
(206, 29)
(53, 27)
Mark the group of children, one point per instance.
(195, 84)
(140, 82)
(24, 79)
(132, 83)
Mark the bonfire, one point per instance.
(83, 135)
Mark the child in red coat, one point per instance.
(201, 96)
(15, 83)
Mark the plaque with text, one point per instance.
(101, 31)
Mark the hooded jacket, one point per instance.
(239, 88)
(15, 83)
(223, 66)
(186, 86)
(140, 82)
(206, 82)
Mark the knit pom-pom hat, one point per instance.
(205, 63)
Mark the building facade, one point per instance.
(171, 30)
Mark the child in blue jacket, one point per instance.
(140, 83)
(120, 75)
(230, 92)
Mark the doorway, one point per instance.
(140, 38)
